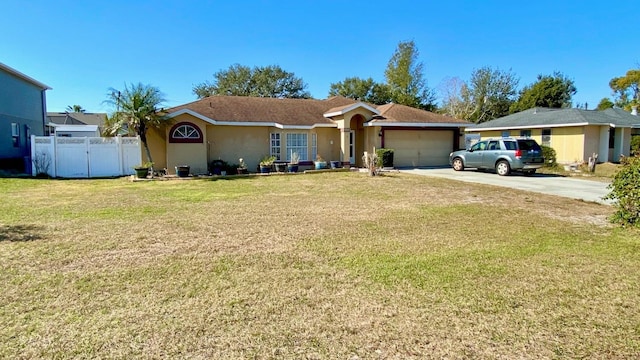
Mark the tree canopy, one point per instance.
(551, 91)
(362, 89)
(261, 81)
(605, 103)
(489, 94)
(75, 109)
(405, 78)
(137, 108)
(405, 83)
(626, 89)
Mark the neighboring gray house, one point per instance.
(23, 113)
(575, 134)
(55, 119)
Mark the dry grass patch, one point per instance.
(335, 265)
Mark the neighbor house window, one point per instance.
(297, 143)
(506, 133)
(185, 133)
(546, 137)
(275, 145)
(525, 133)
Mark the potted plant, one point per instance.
(183, 170)
(266, 163)
(142, 170)
(242, 167)
(320, 163)
(292, 166)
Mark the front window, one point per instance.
(525, 133)
(275, 145)
(185, 133)
(297, 143)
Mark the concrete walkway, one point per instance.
(586, 190)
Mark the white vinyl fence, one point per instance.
(84, 157)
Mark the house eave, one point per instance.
(24, 77)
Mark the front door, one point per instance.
(352, 147)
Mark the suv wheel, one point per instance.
(502, 168)
(457, 164)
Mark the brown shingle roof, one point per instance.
(272, 110)
(392, 113)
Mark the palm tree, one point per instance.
(75, 109)
(136, 109)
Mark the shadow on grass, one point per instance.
(20, 233)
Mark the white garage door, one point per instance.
(419, 147)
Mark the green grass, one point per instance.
(333, 265)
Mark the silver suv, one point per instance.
(504, 155)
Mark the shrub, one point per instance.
(385, 157)
(550, 157)
(625, 191)
(218, 166)
(635, 145)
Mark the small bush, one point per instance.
(385, 157)
(625, 191)
(550, 157)
(218, 166)
(635, 145)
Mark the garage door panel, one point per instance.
(420, 147)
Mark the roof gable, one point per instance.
(341, 110)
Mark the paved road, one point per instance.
(587, 190)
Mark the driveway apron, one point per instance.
(586, 190)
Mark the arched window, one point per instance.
(185, 132)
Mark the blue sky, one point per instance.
(82, 48)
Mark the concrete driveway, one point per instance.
(587, 190)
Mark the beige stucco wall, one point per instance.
(591, 141)
(156, 139)
(328, 143)
(230, 143)
(194, 155)
(252, 143)
(568, 142)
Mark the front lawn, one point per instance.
(324, 266)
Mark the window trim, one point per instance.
(174, 128)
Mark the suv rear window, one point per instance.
(527, 145)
